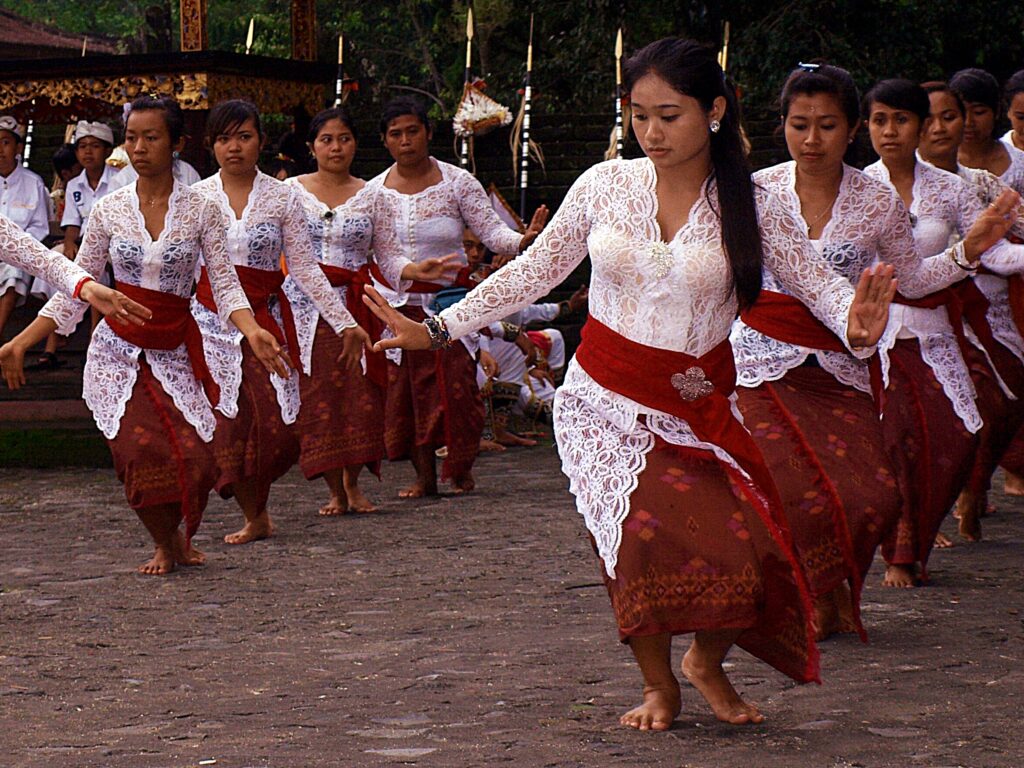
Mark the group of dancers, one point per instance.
(781, 372)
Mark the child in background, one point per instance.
(65, 168)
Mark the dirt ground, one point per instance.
(456, 632)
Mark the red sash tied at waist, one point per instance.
(357, 280)
(695, 389)
(787, 319)
(171, 326)
(259, 285)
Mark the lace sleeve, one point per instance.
(25, 252)
(480, 217)
(989, 187)
(386, 248)
(917, 277)
(303, 266)
(789, 255)
(227, 291)
(556, 252)
(1003, 258)
(92, 257)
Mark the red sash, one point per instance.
(171, 326)
(259, 285)
(357, 280)
(787, 319)
(695, 389)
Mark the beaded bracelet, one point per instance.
(439, 336)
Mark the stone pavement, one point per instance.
(456, 632)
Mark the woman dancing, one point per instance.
(684, 515)
(341, 420)
(421, 207)
(931, 417)
(148, 386)
(816, 404)
(255, 442)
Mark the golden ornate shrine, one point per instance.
(96, 86)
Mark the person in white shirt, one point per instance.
(24, 200)
(93, 144)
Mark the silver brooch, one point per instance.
(692, 385)
(662, 256)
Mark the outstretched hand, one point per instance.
(407, 334)
(113, 304)
(992, 225)
(269, 352)
(442, 269)
(353, 340)
(869, 310)
(12, 362)
(540, 218)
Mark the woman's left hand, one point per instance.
(114, 304)
(269, 352)
(869, 311)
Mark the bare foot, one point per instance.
(463, 484)
(161, 564)
(970, 524)
(716, 689)
(826, 616)
(336, 506)
(186, 554)
(942, 541)
(660, 707)
(510, 438)
(258, 528)
(417, 491)
(487, 446)
(357, 502)
(1013, 485)
(899, 576)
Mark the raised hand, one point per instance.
(528, 348)
(869, 310)
(114, 304)
(443, 269)
(268, 352)
(407, 333)
(353, 340)
(12, 362)
(992, 225)
(540, 218)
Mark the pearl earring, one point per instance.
(715, 126)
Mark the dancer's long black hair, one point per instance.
(693, 70)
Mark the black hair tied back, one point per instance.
(693, 70)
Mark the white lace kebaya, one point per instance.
(674, 296)
(869, 224)
(944, 205)
(273, 221)
(116, 233)
(988, 187)
(429, 224)
(22, 251)
(341, 237)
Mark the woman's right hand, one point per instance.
(408, 334)
(12, 362)
(439, 270)
(991, 226)
(114, 304)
